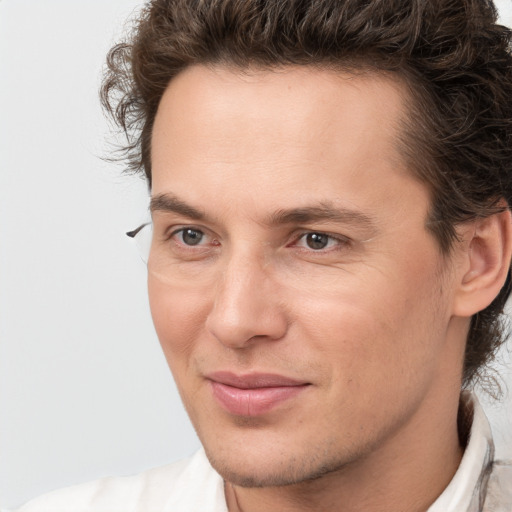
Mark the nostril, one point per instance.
(238, 328)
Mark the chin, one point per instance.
(262, 471)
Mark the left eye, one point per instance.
(318, 241)
(190, 236)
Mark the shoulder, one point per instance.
(151, 491)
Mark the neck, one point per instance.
(407, 473)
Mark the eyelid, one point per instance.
(171, 232)
(175, 230)
(299, 235)
(342, 239)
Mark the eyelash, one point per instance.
(341, 240)
(182, 230)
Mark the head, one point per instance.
(229, 111)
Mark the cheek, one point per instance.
(179, 315)
(376, 330)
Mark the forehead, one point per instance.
(294, 103)
(294, 129)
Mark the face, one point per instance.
(302, 305)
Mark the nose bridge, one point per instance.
(246, 301)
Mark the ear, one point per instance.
(486, 261)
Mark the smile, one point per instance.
(252, 395)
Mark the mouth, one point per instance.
(253, 394)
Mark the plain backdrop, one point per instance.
(84, 389)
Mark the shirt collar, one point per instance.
(466, 492)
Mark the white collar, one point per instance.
(466, 492)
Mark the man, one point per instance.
(330, 249)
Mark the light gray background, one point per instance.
(84, 389)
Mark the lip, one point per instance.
(253, 394)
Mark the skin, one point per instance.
(375, 322)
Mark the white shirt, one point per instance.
(192, 485)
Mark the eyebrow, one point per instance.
(170, 203)
(323, 212)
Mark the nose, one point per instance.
(247, 305)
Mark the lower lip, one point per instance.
(253, 402)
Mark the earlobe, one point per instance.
(488, 252)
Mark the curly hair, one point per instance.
(452, 54)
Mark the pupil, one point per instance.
(317, 240)
(192, 237)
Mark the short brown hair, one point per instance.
(453, 55)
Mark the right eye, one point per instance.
(189, 236)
